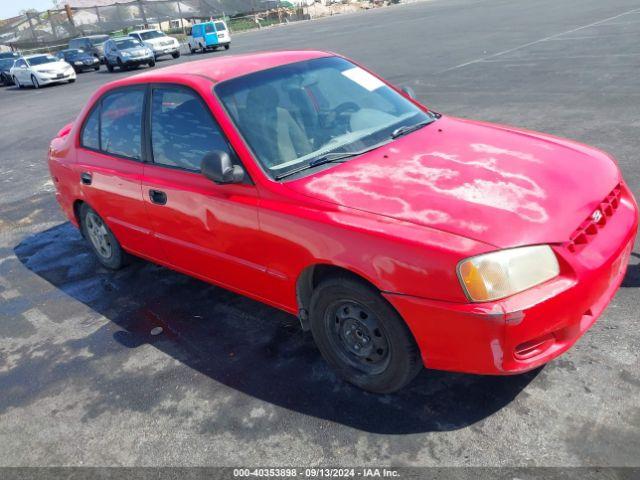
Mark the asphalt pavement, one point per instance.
(232, 382)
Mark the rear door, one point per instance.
(210, 231)
(109, 166)
(210, 34)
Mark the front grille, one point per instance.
(592, 225)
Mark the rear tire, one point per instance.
(102, 241)
(175, 54)
(72, 80)
(226, 47)
(152, 63)
(96, 68)
(109, 67)
(362, 337)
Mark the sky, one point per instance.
(11, 8)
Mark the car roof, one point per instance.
(231, 66)
(146, 30)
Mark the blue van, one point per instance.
(209, 35)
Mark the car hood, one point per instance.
(496, 184)
(159, 41)
(54, 66)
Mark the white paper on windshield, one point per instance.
(363, 78)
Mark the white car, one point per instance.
(158, 41)
(39, 70)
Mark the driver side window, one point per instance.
(182, 129)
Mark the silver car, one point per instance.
(127, 52)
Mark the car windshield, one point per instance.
(150, 35)
(73, 52)
(95, 41)
(6, 63)
(292, 116)
(127, 43)
(42, 59)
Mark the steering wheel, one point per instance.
(342, 113)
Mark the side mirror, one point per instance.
(409, 92)
(218, 167)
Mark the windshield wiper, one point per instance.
(331, 157)
(400, 131)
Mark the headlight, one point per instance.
(125, 54)
(496, 275)
(78, 63)
(48, 72)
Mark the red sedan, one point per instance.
(400, 237)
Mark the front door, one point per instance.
(207, 230)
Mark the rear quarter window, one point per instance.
(90, 137)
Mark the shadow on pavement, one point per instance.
(251, 347)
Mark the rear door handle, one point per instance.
(86, 178)
(158, 197)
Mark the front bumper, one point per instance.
(128, 61)
(165, 50)
(529, 329)
(45, 78)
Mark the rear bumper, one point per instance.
(529, 329)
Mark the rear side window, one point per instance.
(121, 123)
(115, 124)
(220, 27)
(182, 129)
(91, 130)
(209, 28)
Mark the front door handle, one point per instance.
(158, 197)
(86, 178)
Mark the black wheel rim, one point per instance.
(357, 337)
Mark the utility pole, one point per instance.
(69, 12)
(53, 25)
(144, 17)
(181, 19)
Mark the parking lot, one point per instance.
(233, 382)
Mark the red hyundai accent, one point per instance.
(400, 237)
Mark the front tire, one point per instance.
(109, 67)
(34, 82)
(362, 337)
(102, 241)
(152, 63)
(175, 54)
(17, 82)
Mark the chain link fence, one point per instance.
(51, 29)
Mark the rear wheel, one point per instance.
(103, 243)
(175, 54)
(362, 337)
(96, 68)
(152, 63)
(34, 82)
(72, 80)
(226, 47)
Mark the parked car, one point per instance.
(79, 59)
(159, 42)
(127, 52)
(399, 236)
(209, 36)
(92, 44)
(5, 71)
(42, 69)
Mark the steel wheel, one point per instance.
(98, 235)
(357, 336)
